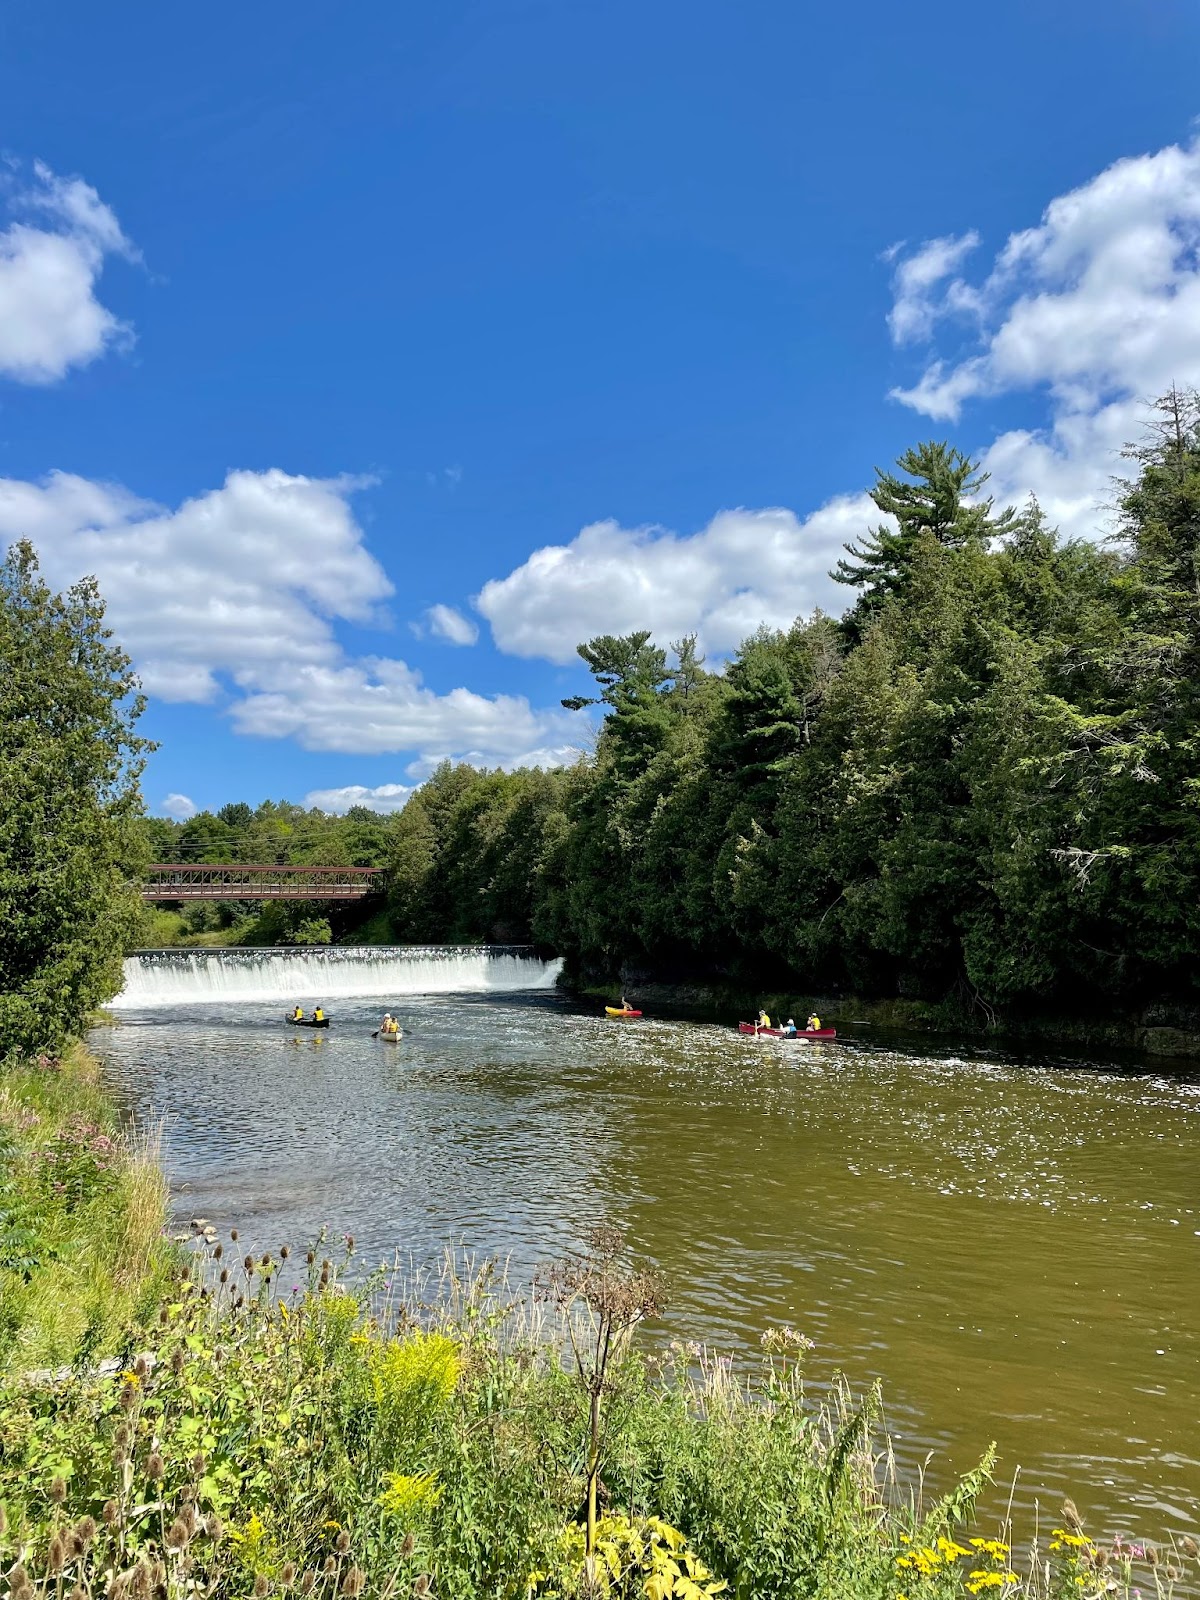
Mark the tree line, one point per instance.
(981, 782)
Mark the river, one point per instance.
(1013, 1248)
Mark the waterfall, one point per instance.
(324, 973)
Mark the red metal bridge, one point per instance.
(202, 881)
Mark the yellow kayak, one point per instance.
(621, 1011)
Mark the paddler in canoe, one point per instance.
(297, 1014)
(813, 1025)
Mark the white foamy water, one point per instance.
(325, 973)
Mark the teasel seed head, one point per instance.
(224, 1278)
(218, 1251)
(117, 1586)
(233, 1234)
(128, 1397)
(1152, 1555)
(140, 1582)
(285, 1251)
(78, 1593)
(178, 1360)
(58, 1491)
(422, 1584)
(122, 1435)
(1101, 1557)
(164, 1316)
(409, 1545)
(56, 1557)
(261, 1586)
(177, 1535)
(323, 1282)
(266, 1260)
(350, 1241)
(248, 1263)
(287, 1575)
(310, 1256)
(111, 1514)
(353, 1583)
(1172, 1573)
(85, 1529)
(75, 1546)
(308, 1582)
(329, 1566)
(342, 1543)
(155, 1467)
(1189, 1546)
(17, 1577)
(1071, 1515)
(142, 1367)
(198, 1464)
(215, 1528)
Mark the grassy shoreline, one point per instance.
(439, 1439)
(83, 1204)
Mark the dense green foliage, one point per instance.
(81, 1216)
(322, 1443)
(69, 767)
(981, 784)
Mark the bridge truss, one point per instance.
(201, 881)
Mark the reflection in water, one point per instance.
(1013, 1250)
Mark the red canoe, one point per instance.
(778, 1033)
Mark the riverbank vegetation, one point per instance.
(975, 791)
(82, 1210)
(443, 1440)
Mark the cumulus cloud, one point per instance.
(383, 797)
(448, 624)
(743, 569)
(916, 308)
(231, 599)
(50, 318)
(1097, 307)
(179, 807)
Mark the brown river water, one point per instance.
(1011, 1247)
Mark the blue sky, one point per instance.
(373, 356)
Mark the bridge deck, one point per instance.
(256, 881)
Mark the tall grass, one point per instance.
(298, 1438)
(82, 1208)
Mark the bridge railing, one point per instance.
(180, 880)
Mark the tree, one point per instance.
(70, 849)
(940, 500)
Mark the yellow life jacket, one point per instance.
(764, 1020)
(814, 1025)
(318, 1015)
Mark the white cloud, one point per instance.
(238, 589)
(179, 807)
(384, 797)
(743, 569)
(1101, 298)
(451, 625)
(916, 309)
(1097, 307)
(50, 318)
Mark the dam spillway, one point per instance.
(326, 973)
